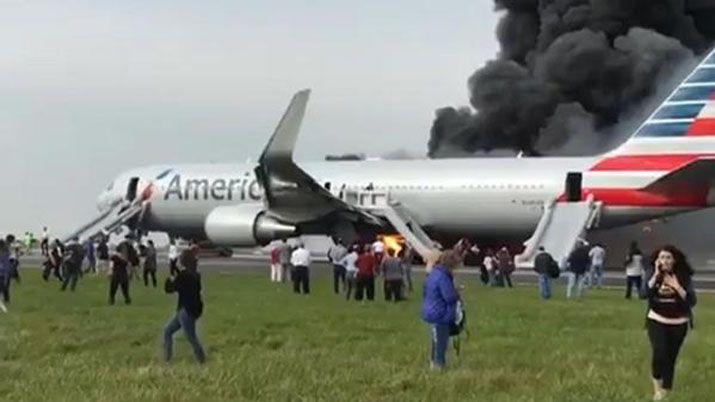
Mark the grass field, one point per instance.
(265, 343)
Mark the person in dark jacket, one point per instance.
(578, 263)
(73, 258)
(103, 253)
(187, 283)
(543, 264)
(150, 263)
(130, 254)
(671, 298)
(439, 305)
(4, 274)
(119, 277)
(505, 264)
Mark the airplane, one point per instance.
(665, 168)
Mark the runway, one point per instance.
(249, 263)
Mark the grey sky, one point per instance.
(92, 88)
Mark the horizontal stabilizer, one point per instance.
(698, 173)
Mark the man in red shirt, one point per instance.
(366, 265)
(276, 270)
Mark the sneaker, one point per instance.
(3, 308)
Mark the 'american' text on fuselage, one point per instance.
(216, 189)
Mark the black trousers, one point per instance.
(633, 282)
(301, 279)
(5, 288)
(147, 273)
(338, 277)
(365, 284)
(71, 277)
(507, 278)
(665, 341)
(173, 268)
(483, 274)
(121, 281)
(393, 290)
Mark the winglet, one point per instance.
(285, 136)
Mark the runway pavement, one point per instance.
(250, 263)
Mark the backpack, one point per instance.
(461, 320)
(457, 327)
(554, 271)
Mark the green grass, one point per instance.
(264, 343)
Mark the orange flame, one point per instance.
(393, 242)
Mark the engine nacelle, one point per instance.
(244, 226)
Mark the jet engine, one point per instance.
(244, 226)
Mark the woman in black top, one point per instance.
(670, 299)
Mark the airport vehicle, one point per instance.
(664, 168)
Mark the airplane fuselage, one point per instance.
(483, 198)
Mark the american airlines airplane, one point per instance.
(665, 168)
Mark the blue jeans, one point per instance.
(184, 320)
(596, 275)
(439, 338)
(545, 286)
(575, 284)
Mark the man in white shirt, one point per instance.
(335, 254)
(378, 249)
(173, 258)
(45, 242)
(300, 260)
(598, 258)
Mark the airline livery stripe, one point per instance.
(702, 127)
(706, 74)
(642, 163)
(679, 111)
(657, 146)
(631, 197)
(693, 94)
(664, 129)
(621, 179)
(708, 111)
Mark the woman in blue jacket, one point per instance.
(439, 305)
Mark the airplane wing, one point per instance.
(699, 173)
(291, 194)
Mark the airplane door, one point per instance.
(132, 188)
(574, 181)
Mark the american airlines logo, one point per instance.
(214, 189)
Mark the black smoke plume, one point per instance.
(570, 72)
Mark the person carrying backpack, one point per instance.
(544, 265)
(579, 262)
(505, 264)
(187, 283)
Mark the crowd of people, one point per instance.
(664, 280)
(69, 262)
(356, 267)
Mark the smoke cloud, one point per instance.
(571, 72)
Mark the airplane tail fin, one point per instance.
(684, 124)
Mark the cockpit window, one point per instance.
(110, 187)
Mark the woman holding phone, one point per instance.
(670, 300)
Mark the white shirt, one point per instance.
(378, 247)
(635, 268)
(349, 262)
(489, 263)
(300, 257)
(598, 255)
(173, 252)
(45, 235)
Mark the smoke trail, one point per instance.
(570, 72)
